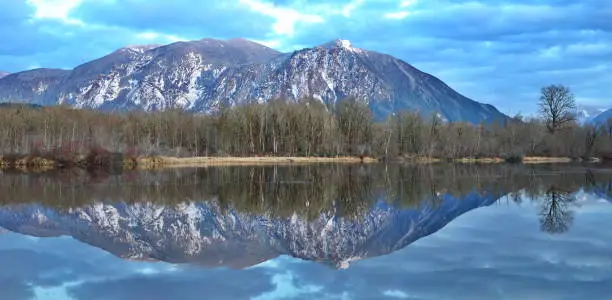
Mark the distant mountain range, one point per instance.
(3, 74)
(586, 113)
(603, 117)
(204, 75)
(202, 233)
(590, 114)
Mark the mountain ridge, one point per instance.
(207, 74)
(602, 118)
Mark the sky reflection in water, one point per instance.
(493, 252)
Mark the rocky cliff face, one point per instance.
(203, 75)
(202, 233)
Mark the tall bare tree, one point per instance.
(557, 105)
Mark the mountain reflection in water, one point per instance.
(242, 216)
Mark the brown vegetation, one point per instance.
(281, 132)
(163, 161)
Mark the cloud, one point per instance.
(15, 290)
(500, 52)
(55, 9)
(64, 266)
(193, 285)
(397, 15)
(540, 266)
(286, 18)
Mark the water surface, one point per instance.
(309, 232)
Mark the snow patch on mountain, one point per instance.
(203, 75)
(587, 113)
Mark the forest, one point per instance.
(299, 128)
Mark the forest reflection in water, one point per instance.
(283, 233)
(309, 191)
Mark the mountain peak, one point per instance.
(202, 75)
(586, 113)
(3, 74)
(139, 48)
(338, 43)
(602, 118)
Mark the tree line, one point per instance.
(301, 128)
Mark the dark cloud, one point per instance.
(13, 289)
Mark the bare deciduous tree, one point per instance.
(557, 105)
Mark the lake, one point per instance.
(309, 232)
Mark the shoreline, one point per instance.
(491, 160)
(158, 162)
(203, 161)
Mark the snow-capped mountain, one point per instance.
(204, 234)
(206, 74)
(602, 118)
(586, 113)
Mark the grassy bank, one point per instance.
(175, 162)
(118, 161)
(126, 162)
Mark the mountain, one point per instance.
(586, 113)
(3, 74)
(31, 86)
(202, 233)
(603, 117)
(204, 75)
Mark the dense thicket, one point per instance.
(305, 128)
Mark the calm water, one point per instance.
(318, 232)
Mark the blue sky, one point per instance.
(499, 52)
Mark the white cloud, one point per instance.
(395, 294)
(551, 52)
(589, 48)
(151, 36)
(397, 15)
(286, 18)
(348, 9)
(148, 35)
(55, 9)
(406, 3)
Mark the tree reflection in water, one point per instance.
(309, 191)
(556, 213)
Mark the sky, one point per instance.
(573, 265)
(499, 52)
